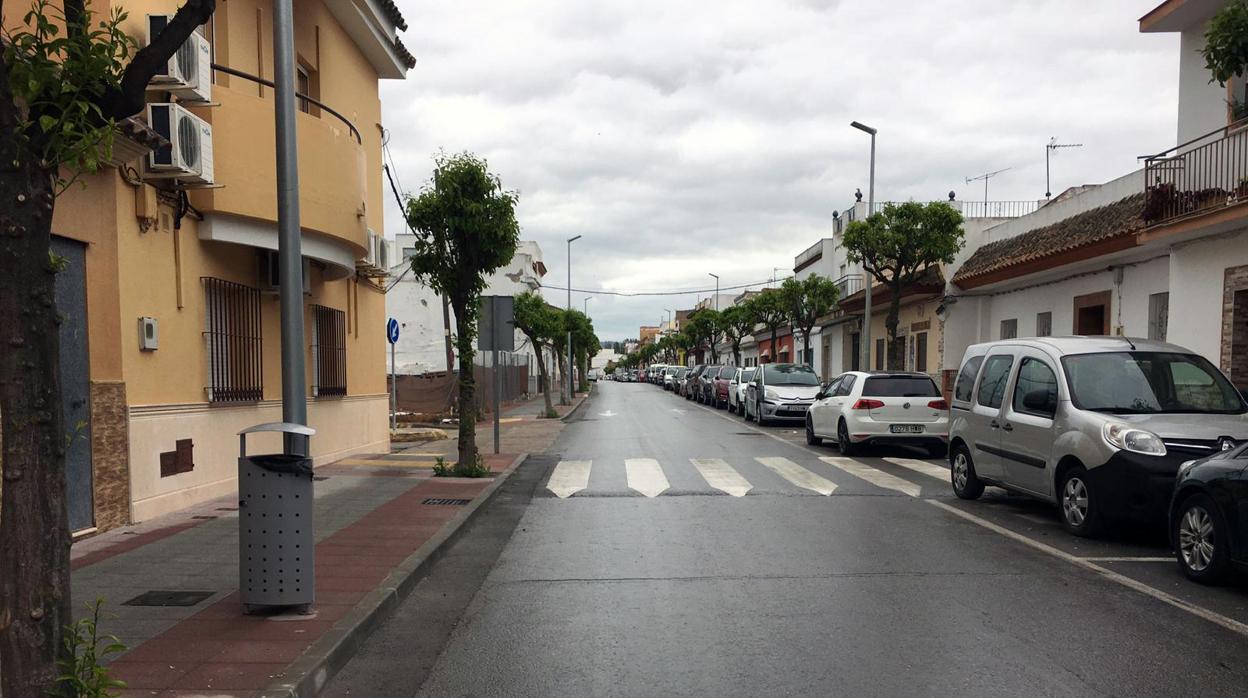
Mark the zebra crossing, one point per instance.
(650, 478)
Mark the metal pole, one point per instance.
(289, 243)
(866, 280)
(494, 340)
(394, 411)
(1048, 190)
(571, 370)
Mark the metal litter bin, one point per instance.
(276, 564)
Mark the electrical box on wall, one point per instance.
(149, 334)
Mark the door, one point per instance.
(984, 435)
(838, 403)
(1091, 313)
(1027, 425)
(823, 406)
(71, 303)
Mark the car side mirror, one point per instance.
(1041, 401)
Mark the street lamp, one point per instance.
(586, 305)
(716, 290)
(866, 282)
(571, 371)
(669, 319)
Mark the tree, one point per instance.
(465, 225)
(703, 327)
(770, 311)
(64, 85)
(583, 340)
(538, 322)
(737, 322)
(808, 300)
(1225, 50)
(559, 343)
(898, 244)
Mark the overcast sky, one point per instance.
(682, 138)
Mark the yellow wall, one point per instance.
(915, 312)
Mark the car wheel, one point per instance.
(811, 439)
(762, 421)
(1200, 540)
(843, 443)
(966, 485)
(1081, 514)
(939, 452)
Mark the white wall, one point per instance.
(1202, 104)
(1196, 303)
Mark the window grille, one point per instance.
(232, 336)
(329, 351)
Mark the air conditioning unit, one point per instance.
(270, 274)
(385, 254)
(188, 157)
(370, 250)
(188, 74)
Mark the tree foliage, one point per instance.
(466, 228)
(703, 328)
(540, 323)
(772, 312)
(808, 300)
(898, 244)
(1226, 42)
(736, 323)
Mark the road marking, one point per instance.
(1127, 558)
(570, 477)
(920, 466)
(1215, 618)
(608, 413)
(678, 411)
(721, 476)
(645, 476)
(798, 475)
(879, 478)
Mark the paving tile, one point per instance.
(264, 651)
(225, 676)
(149, 675)
(184, 651)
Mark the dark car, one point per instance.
(706, 383)
(691, 382)
(720, 387)
(1208, 530)
(678, 380)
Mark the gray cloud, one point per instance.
(683, 137)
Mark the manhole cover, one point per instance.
(168, 598)
(447, 502)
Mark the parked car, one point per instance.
(678, 379)
(1207, 526)
(691, 381)
(780, 392)
(860, 408)
(669, 376)
(719, 386)
(736, 389)
(1096, 425)
(706, 384)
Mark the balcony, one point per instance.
(848, 285)
(1197, 178)
(333, 184)
(969, 209)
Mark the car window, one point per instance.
(1146, 382)
(847, 385)
(747, 375)
(789, 374)
(966, 379)
(727, 372)
(1035, 391)
(992, 382)
(900, 386)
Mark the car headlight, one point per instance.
(1134, 440)
(771, 394)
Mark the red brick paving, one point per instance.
(223, 651)
(130, 543)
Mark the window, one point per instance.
(966, 379)
(304, 87)
(846, 386)
(232, 333)
(1158, 315)
(329, 351)
(855, 352)
(992, 385)
(920, 352)
(1044, 324)
(777, 374)
(1009, 328)
(1035, 391)
(900, 386)
(879, 355)
(1142, 382)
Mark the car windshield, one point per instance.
(900, 386)
(789, 374)
(1144, 382)
(747, 375)
(727, 372)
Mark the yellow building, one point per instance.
(171, 340)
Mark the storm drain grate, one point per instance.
(168, 598)
(446, 502)
(204, 518)
(318, 478)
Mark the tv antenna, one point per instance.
(1049, 148)
(986, 176)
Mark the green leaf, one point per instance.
(47, 123)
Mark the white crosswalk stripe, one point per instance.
(919, 466)
(721, 476)
(646, 476)
(879, 478)
(798, 475)
(569, 477)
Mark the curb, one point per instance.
(576, 407)
(307, 675)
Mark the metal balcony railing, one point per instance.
(355, 132)
(997, 209)
(848, 285)
(1193, 178)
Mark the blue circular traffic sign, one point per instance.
(392, 330)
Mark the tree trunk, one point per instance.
(896, 351)
(806, 343)
(775, 350)
(736, 354)
(561, 360)
(34, 536)
(467, 392)
(545, 379)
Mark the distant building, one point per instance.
(648, 334)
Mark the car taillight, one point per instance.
(864, 404)
(938, 405)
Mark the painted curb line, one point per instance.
(308, 675)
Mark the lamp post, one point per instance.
(585, 306)
(571, 371)
(716, 290)
(866, 281)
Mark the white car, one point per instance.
(736, 389)
(860, 408)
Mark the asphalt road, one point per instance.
(859, 576)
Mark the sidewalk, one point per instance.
(376, 527)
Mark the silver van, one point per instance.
(1097, 425)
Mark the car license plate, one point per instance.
(906, 428)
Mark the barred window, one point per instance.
(232, 337)
(329, 351)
